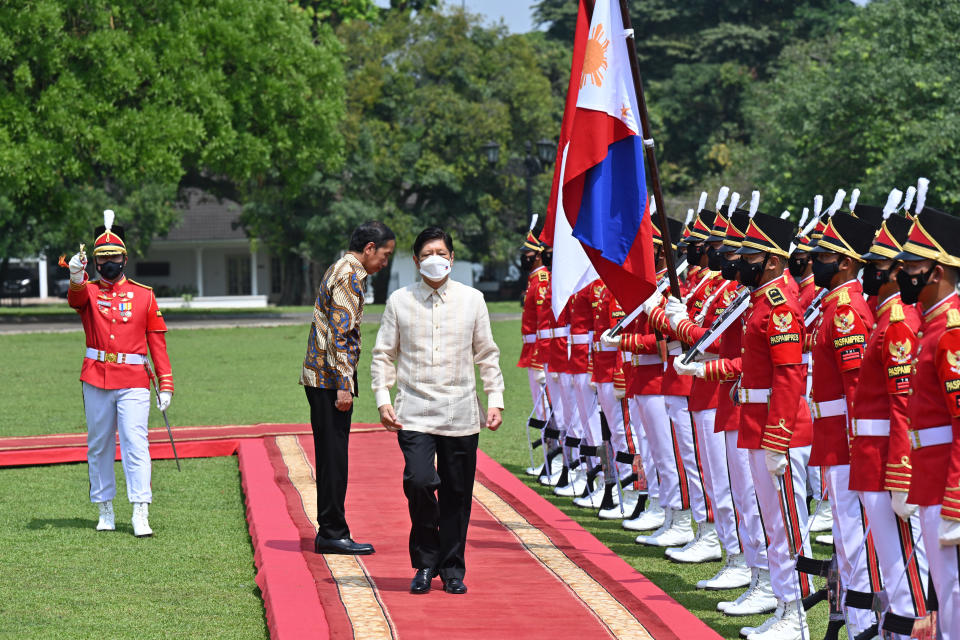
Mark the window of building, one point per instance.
(238, 275)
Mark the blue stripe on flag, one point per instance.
(614, 201)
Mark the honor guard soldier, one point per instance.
(538, 285)
(774, 419)
(879, 446)
(121, 321)
(929, 275)
(839, 338)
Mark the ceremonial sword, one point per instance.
(153, 379)
(733, 311)
(661, 287)
(814, 309)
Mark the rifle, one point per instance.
(733, 311)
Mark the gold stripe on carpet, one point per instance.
(357, 592)
(620, 622)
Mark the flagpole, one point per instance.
(648, 151)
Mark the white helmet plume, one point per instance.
(734, 201)
(893, 201)
(703, 202)
(803, 216)
(922, 185)
(785, 214)
(533, 221)
(108, 217)
(722, 197)
(754, 203)
(653, 205)
(837, 202)
(689, 217)
(817, 205)
(908, 199)
(854, 197)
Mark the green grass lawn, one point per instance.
(222, 376)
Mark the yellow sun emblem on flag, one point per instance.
(595, 58)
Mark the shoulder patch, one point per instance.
(843, 298)
(953, 319)
(775, 296)
(139, 285)
(543, 276)
(896, 313)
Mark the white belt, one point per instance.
(545, 334)
(529, 338)
(119, 358)
(580, 338)
(753, 396)
(931, 437)
(561, 332)
(870, 427)
(674, 348)
(640, 359)
(628, 355)
(829, 408)
(602, 346)
(805, 358)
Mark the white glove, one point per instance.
(78, 265)
(676, 311)
(606, 338)
(164, 400)
(593, 385)
(696, 369)
(776, 463)
(619, 393)
(652, 302)
(901, 507)
(554, 376)
(948, 532)
(541, 377)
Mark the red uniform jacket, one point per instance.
(839, 338)
(558, 357)
(806, 292)
(607, 364)
(773, 335)
(545, 320)
(121, 318)
(935, 402)
(532, 300)
(581, 324)
(882, 462)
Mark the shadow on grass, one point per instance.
(62, 523)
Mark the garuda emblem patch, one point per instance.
(844, 322)
(900, 351)
(783, 321)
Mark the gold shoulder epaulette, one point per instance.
(139, 284)
(953, 319)
(843, 298)
(775, 296)
(543, 275)
(896, 313)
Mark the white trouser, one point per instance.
(539, 399)
(895, 540)
(110, 411)
(638, 419)
(686, 439)
(753, 540)
(815, 482)
(652, 413)
(848, 539)
(612, 408)
(561, 410)
(716, 479)
(944, 563)
(787, 583)
(588, 409)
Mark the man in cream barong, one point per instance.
(431, 335)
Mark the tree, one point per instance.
(124, 104)
(874, 107)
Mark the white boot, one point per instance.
(704, 548)
(106, 516)
(792, 625)
(823, 518)
(651, 517)
(577, 483)
(593, 500)
(630, 499)
(141, 527)
(734, 575)
(746, 632)
(754, 575)
(758, 599)
(679, 532)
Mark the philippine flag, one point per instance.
(598, 219)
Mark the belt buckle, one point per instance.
(914, 439)
(110, 357)
(817, 414)
(853, 427)
(745, 396)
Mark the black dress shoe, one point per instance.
(421, 581)
(455, 586)
(344, 546)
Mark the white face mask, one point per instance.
(434, 267)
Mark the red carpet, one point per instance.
(531, 571)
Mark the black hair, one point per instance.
(371, 231)
(432, 233)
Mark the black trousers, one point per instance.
(331, 437)
(439, 498)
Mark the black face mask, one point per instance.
(823, 272)
(547, 257)
(730, 269)
(910, 286)
(715, 259)
(694, 253)
(526, 262)
(750, 272)
(110, 270)
(874, 278)
(798, 265)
